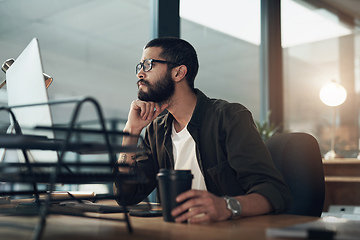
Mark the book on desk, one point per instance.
(323, 228)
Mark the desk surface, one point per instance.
(69, 228)
(341, 161)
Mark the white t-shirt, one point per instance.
(185, 156)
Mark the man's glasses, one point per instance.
(147, 64)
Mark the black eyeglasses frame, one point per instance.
(141, 64)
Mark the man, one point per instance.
(217, 140)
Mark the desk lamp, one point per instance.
(9, 62)
(332, 94)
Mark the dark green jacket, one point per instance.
(230, 152)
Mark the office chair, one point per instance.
(297, 156)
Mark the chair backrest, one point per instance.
(297, 156)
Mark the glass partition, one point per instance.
(226, 36)
(319, 48)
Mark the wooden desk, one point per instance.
(342, 182)
(61, 227)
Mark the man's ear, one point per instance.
(179, 73)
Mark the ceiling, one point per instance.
(352, 7)
(348, 7)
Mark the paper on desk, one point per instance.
(324, 228)
(68, 195)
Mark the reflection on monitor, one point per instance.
(25, 85)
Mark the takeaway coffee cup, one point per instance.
(171, 184)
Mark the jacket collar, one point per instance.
(199, 110)
(198, 113)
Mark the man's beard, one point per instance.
(158, 92)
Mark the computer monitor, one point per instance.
(25, 85)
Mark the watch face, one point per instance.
(235, 206)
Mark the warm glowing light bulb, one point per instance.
(333, 94)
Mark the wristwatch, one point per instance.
(233, 205)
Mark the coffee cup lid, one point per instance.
(172, 172)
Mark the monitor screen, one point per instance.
(26, 85)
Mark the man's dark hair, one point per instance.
(180, 52)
